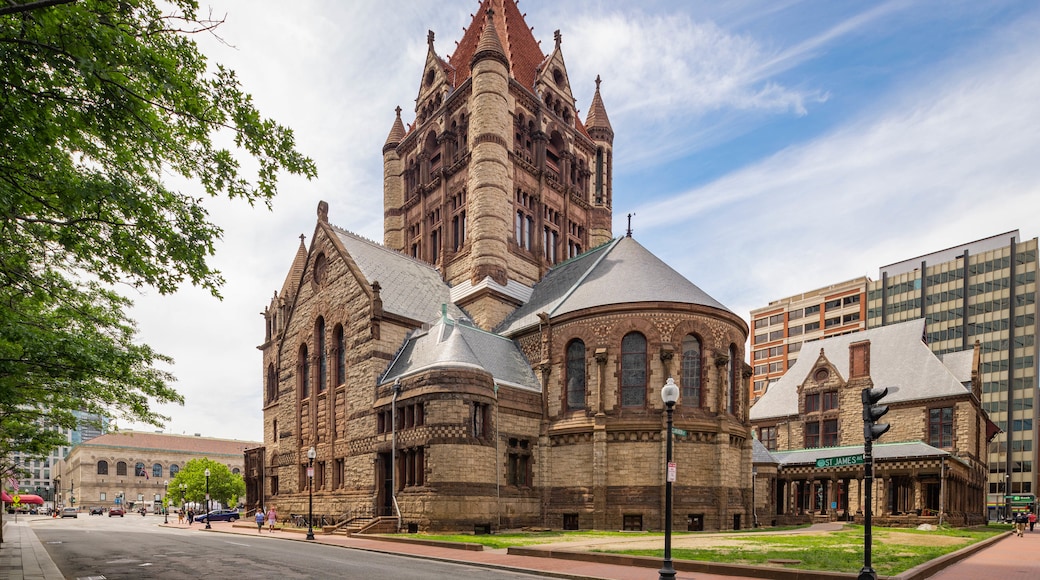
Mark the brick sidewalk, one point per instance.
(1012, 558)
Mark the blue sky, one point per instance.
(765, 147)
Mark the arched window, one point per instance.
(341, 355)
(323, 356)
(690, 380)
(174, 470)
(304, 374)
(633, 370)
(236, 471)
(102, 467)
(731, 381)
(156, 470)
(272, 383)
(121, 468)
(139, 469)
(576, 375)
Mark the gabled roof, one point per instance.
(761, 455)
(409, 288)
(898, 358)
(621, 271)
(515, 37)
(454, 344)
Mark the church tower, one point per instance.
(498, 179)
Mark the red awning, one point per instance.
(6, 498)
(31, 498)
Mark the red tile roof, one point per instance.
(169, 442)
(517, 41)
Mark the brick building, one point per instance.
(499, 359)
(133, 466)
(932, 461)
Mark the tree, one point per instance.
(101, 102)
(224, 487)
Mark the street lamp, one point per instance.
(183, 487)
(310, 493)
(669, 394)
(207, 499)
(165, 502)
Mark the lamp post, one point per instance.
(183, 487)
(669, 394)
(207, 499)
(165, 501)
(310, 493)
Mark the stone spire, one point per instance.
(397, 132)
(490, 45)
(597, 121)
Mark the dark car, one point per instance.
(96, 511)
(116, 512)
(220, 516)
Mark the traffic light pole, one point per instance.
(871, 431)
(867, 573)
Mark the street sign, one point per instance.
(671, 472)
(679, 432)
(840, 461)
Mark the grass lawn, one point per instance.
(894, 550)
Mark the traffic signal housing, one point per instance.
(872, 430)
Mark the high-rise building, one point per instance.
(983, 291)
(780, 329)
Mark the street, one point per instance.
(138, 547)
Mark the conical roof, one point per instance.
(619, 272)
(597, 117)
(397, 132)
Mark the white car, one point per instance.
(69, 512)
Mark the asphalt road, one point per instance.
(137, 547)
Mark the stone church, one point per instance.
(497, 361)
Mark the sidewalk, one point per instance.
(22, 556)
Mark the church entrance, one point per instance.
(384, 483)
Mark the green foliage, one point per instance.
(101, 103)
(224, 486)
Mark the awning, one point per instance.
(31, 498)
(5, 498)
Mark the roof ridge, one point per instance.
(577, 283)
(382, 247)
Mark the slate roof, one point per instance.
(454, 344)
(621, 271)
(898, 358)
(170, 442)
(759, 454)
(886, 451)
(409, 288)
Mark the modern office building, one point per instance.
(983, 291)
(780, 329)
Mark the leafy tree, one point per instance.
(102, 104)
(224, 487)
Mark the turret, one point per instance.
(598, 126)
(393, 188)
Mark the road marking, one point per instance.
(236, 543)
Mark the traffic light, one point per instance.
(872, 430)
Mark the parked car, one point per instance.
(116, 512)
(97, 511)
(225, 515)
(69, 512)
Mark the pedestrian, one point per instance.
(180, 516)
(272, 518)
(1032, 520)
(191, 515)
(1020, 523)
(259, 519)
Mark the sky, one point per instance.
(765, 148)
